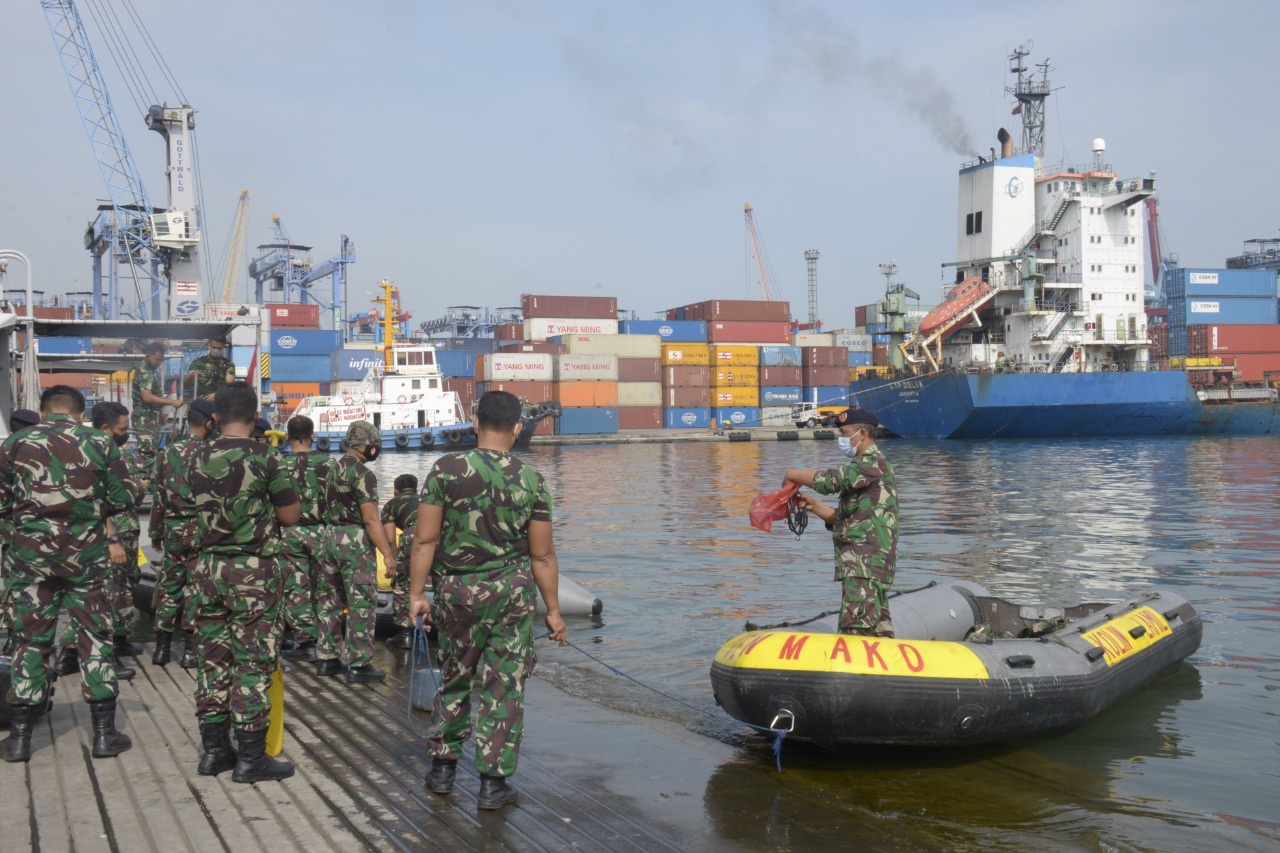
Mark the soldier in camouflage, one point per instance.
(18, 421)
(242, 494)
(350, 567)
(211, 371)
(401, 513)
(148, 410)
(304, 541)
(864, 526)
(173, 531)
(487, 517)
(60, 485)
(113, 419)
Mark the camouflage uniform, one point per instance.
(173, 525)
(304, 543)
(484, 601)
(59, 482)
(147, 420)
(349, 571)
(127, 576)
(211, 373)
(236, 484)
(865, 532)
(402, 511)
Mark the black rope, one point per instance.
(614, 669)
(797, 517)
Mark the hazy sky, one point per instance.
(474, 151)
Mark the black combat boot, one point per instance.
(18, 746)
(252, 762)
(188, 652)
(403, 640)
(368, 672)
(68, 661)
(440, 779)
(164, 648)
(215, 739)
(106, 740)
(329, 666)
(125, 648)
(495, 792)
(304, 651)
(124, 672)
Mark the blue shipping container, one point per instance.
(456, 362)
(859, 359)
(879, 339)
(1185, 282)
(686, 418)
(348, 365)
(737, 416)
(472, 345)
(674, 331)
(65, 346)
(780, 395)
(588, 421)
(827, 395)
(780, 356)
(1231, 310)
(304, 341)
(877, 328)
(301, 368)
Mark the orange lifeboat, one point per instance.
(962, 299)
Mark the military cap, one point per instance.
(857, 415)
(362, 434)
(23, 417)
(262, 425)
(203, 407)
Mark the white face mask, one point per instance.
(846, 446)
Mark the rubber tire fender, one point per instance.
(402, 441)
(322, 444)
(428, 439)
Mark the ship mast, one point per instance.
(1031, 94)
(388, 302)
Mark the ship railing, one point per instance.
(1121, 335)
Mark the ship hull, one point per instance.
(1056, 405)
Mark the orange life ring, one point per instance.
(347, 401)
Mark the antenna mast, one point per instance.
(1031, 94)
(811, 259)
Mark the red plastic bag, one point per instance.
(771, 507)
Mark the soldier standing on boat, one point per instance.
(113, 419)
(488, 517)
(211, 371)
(243, 494)
(148, 410)
(864, 526)
(60, 485)
(18, 421)
(350, 570)
(401, 512)
(173, 531)
(304, 541)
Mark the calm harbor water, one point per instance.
(660, 533)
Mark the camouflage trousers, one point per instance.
(124, 581)
(303, 556)
(6, 608)
(146, 427)
(400, 584)
(484, 623)
(348, 578)
(864, 607)
(236, 610)
(39, 591)
(173, 582)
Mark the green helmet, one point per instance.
(362, 434)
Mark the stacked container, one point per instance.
(686, 385)
(550, 316)
(288, 315)
(735, 384)
(638, 372)
(781, 384)
(826, 375)
(742, 321)
(1221, 298)
(1254, 348)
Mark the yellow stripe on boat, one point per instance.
(1117, 638)
(845, 653)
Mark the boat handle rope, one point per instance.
(797, 516)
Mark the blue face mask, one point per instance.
(846, 446)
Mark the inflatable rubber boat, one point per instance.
(965, 668)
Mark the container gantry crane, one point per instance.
(763, 275)
(237, 247)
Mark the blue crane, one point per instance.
(285, 267)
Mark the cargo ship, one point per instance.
(1044, 332)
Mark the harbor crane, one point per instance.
(237, 247)
(763, 274)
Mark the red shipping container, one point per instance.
(49, 312)
(464, 388)
(880, 355)
(535, 346)
(815, 376)
(774, 376)
(533, 392)
(686, 397)
(578, 307)
(1159, 341)
(686, 376)
(824, 356)
(639, 417)
(1161, 313)
(293, 315)
(739, 310)
(860, 316)
(509, 331)
(639, 370)
(1229, 339)
(748, 332)
(1254, 366)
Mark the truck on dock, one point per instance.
(810, 416)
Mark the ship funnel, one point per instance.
(1006, 143)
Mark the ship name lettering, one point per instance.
(792, 647)
(911, 657)
(873, 654)
(1156, 627)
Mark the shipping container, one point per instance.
(546, 426)
(853, 342)
(814, 376)
(1229, 339)
(640, 370)
(748, 310)
(781, 376)
(682, 353)
(780, 395)
(301, 368)
(584, 394)
(48, 312)
(593, 421)
(812, 339)
(541, 328)
(640, 394)
(827, 395)
(292, 316)
(858, 358)
(780, 356)
(586, 307)
(1199, 311)
(736, 416)
(877, 329)
(532, 392)
(1254, 367)
(465, 388)
(686, 397)
(304, 341)
(776, 417)
(748, 332)
(348, 365)
(456, 362)
(669, 331)
(880, 355)
(296, 392)
(517, 367)
(686, 375)
(639, 417)
(739, 355)
(626, 346)
(50, 345)
(1185, 282)
(574, 367)
(510, 331)
(736, 377)
(1159, 337)
(831, 356)
(698, 417)
(550, 347)
(726, 396)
